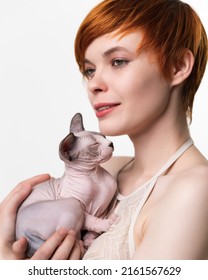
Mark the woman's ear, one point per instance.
(182, 70)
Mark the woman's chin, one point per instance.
(110, 131)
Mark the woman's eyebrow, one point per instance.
(114, 49)
(108, 53)
(87, 61)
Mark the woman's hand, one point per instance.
(62, 245)
(9, 249)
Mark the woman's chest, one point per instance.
(154, 206)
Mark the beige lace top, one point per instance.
(118, 242)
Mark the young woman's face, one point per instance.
(125, 87)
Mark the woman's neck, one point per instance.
(156, 145)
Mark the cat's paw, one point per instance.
(105, 224)
(112, 218)
(88, 238)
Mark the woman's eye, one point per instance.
(88, 73)
(119, 62)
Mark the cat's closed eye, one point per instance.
(93, 148)
(94, 145)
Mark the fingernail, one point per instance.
(72, 232)
(62, 231)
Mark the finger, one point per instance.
(75, 252)
(31, 182)
(21, 191)
(66, 247)
(19, 248)
(36, 179)
(46, 251)
(78, 251)
(82, 249)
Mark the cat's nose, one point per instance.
(111, 145)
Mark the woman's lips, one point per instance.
(102, 109)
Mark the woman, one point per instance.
(143, 62)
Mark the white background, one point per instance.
(41, 87)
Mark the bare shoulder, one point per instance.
(177, 218)
(114, 165)
(193, 183)
(189, 190)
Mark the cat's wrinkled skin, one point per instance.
(79, 199)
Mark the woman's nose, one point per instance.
(98, 83)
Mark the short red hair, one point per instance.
(170, 27)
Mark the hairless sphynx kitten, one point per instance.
(79, 199)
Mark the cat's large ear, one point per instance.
(76, 123)
(66, 146)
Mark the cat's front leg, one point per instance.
(93, 223)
